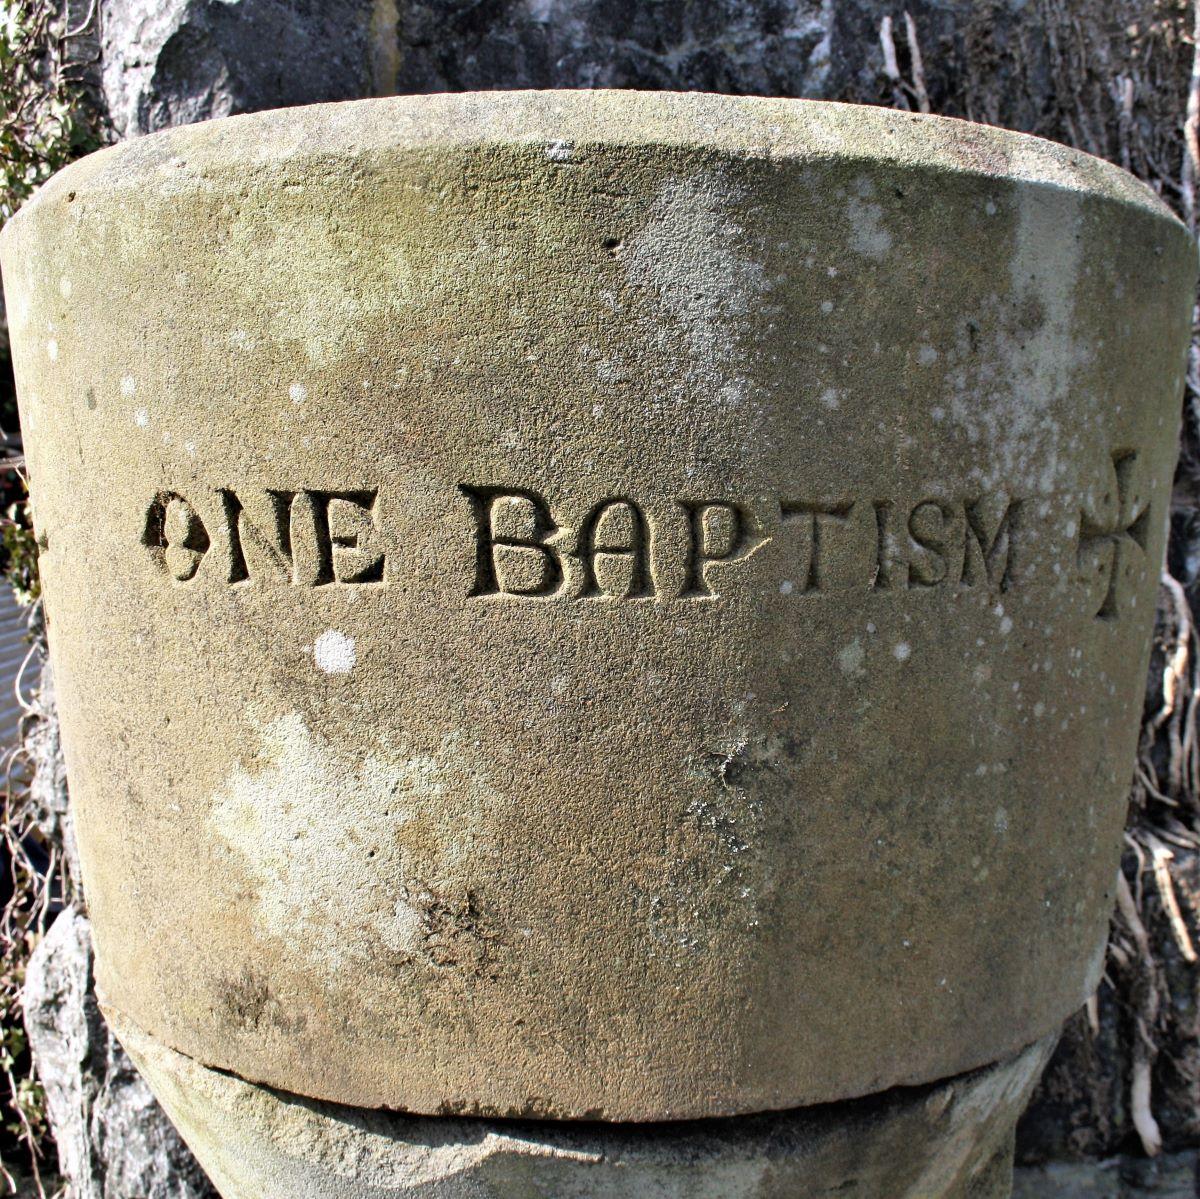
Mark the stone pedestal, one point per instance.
(598, 606)
(949, 1140)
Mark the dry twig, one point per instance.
(920, 90)
(1191, 128)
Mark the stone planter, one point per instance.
(598, 605)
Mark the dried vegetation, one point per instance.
(43, 126)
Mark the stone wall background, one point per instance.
(1114, 77)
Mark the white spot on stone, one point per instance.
(851, 657)
(868, 236)
(52, 349)
(902, 651)
(128, 386)
(926, 355)
(831, 398)
(298, 393)
(64, 287)
(826, 307)
(560, 151)
(141, 418)
(1006, 625)
(786, 587)
(334, 652)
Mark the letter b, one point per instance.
(512, 529)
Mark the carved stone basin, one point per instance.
(598, 604)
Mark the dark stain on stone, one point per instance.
(248, 1004)
(1031, 315)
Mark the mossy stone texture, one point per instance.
(598, 605)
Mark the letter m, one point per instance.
(990, 542)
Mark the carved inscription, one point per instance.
(718, 532)
(619, 548)
(989, 546)
(523, 549)
(176, 536)
(973, 543)
(615, 534)
(302, 537)
(1106, 545)
(815, 514)
(512, 531)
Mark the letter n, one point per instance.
(269, 548)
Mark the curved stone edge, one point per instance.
(190, 158)
(947, 1140)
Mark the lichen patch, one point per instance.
(322, 836)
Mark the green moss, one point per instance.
(43, 122)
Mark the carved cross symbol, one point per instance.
(1105, 544)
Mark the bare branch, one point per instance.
(891, 65)
(918, 65)
(1191, 128)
